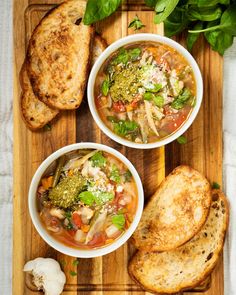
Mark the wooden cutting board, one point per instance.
(203, 151)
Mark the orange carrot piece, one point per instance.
(109, 241)
(70, 172)
(47, 182)
(85, 228)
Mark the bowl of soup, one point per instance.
(86, 199)
(145, 90)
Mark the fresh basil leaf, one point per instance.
(182, 99)
(219, 40)
(158, 100)
(151, 3)
(227, 22)
(206, 3)
(99, 9)
(118, 220)
(123, 127)
(136, 23)
(182, 139)
(163, 9)
(98, 160)
(148, 96)
(105, 86)
(112, 119)
(153, 87)
(192, 38)
(134, 53)
(127, 176)
(215, 185)
(176, 22)
(103, 197)
(115, 174)
(204, 13)
(87, 198)
(121, 57)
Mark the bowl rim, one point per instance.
(132, 39)
(80, 253)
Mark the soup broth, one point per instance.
(145, 92)
(87, 200)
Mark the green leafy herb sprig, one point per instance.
(136, 24)
(216, 19)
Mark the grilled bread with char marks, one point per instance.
(36, 113)
(175, 213)
(187, 266)
(58, 56)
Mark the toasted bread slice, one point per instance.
(188, 265)
(36, 114)
(98, 47)
(58, 56)
(176, 212)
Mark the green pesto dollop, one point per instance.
(65, 193)
(125, 84)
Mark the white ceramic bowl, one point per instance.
(35, 215)
(129, 40)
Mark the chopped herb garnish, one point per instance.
(73, 273)
(123, 127)
(112, 119)
(158, 100)
(136, 23)
(98, 160)
(115, 175)
(182, 139)
(48, 127)
(87, 198)
(68, 214)
(122, 57)
(147, 96)
(134, 53)
(153, 87)
(215, 185)
(103, 197)
(182, 99)
(75, 262)
(105, 86)
(118, 220)
(127, 176)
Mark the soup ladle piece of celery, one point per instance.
(58, 171)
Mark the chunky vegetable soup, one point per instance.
(145, 92)
(88, 200)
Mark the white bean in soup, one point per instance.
(87, 200)
(145, 91)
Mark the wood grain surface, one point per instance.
(107, 274)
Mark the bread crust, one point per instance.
(35, 113)
(36, 118)
(99, 45)
(135, 264)
(164, 227)
(58, 56)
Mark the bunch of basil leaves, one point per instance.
(215, 18)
